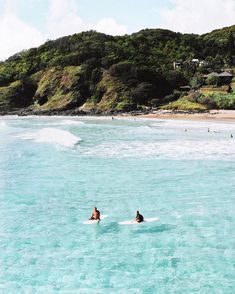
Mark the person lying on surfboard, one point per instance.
(95, 214)
(139, 217)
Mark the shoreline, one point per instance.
(212, 115)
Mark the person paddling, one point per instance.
(139, 217)
(95, 214)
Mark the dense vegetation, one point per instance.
(91, 70)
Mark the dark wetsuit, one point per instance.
(139, 218)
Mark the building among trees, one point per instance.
(223, 78)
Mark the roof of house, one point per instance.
(211, 74)
(225, 74)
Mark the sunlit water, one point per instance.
(54, 170)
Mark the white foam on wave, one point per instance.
(68, 122)
(65, 122)
(175, 149)
(203, 130)
(72, 122)
(52, 135)
(3, 125)
(195, 125)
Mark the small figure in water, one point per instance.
(231, 136)
(185, 130)
(208, 130)
(139, 218)
(95, 214)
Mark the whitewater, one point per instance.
(54, 170)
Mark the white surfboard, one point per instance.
(133, 222)
(94, 221)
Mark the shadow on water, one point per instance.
(153, 230)
(175, 261)
(108, 229)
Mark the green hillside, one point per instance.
(93, 71)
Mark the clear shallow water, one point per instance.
(54, 170)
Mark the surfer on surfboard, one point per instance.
(139, 217)
(95, 214)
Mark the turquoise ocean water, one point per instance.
(54, 170)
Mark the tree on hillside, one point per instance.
(212, 80)
(231, 49)
(196, 82)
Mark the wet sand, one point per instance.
(214, 115)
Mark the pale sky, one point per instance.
(29, 23)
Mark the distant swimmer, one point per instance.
(208, 130)
(95, 214)
(231, 136)
(139, 218)
(185, 130)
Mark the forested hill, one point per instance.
(91, 70)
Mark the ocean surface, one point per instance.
(54, 170)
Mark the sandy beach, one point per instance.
(216, 115)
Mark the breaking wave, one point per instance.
(52, 135)
(179, 150)
(70, 122)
